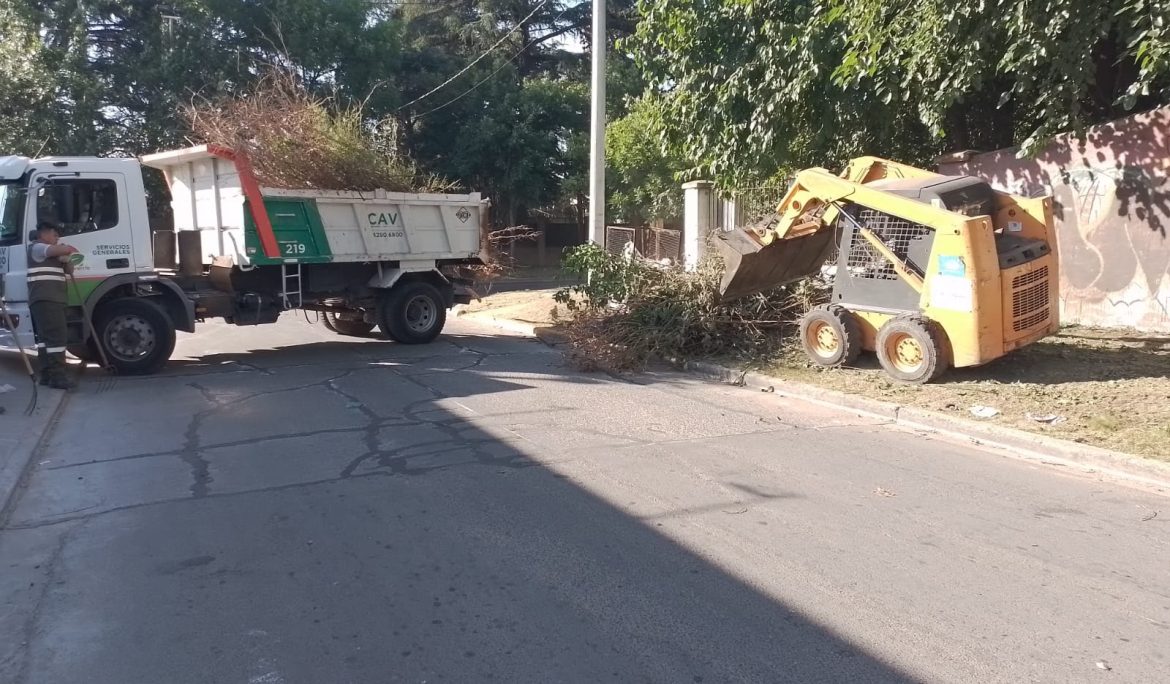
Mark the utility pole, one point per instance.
(597, 130)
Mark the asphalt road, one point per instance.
(285, 505)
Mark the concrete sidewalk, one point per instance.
(20, 434)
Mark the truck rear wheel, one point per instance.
(412, 313)
(136, 334)
(354, 327)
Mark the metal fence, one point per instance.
(618, 239)
(748, 205)
(656, 244)
(751, 206)
(662, 244)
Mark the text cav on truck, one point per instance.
(246, 253)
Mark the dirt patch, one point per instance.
(529, 306)
(1108, 388)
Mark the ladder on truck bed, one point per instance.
(290, 289)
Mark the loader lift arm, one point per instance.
(797, 245)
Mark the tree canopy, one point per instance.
(756, 87)
(493, 94)
(488, 93)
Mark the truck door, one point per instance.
(92, 213)
(13, 201)
(13, 217)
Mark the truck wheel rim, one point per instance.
(420, 314)
(905, 352)
(823, 339)
(129, 337)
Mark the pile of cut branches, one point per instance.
(496, 254)
(632, 311)
(296, 139)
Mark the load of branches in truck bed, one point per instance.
(296, 139)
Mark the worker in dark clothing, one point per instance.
(48, 267)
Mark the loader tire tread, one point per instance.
(929, 339)
(845, 331)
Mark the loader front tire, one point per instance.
(412, 313)
(830, 335)
(912, 349)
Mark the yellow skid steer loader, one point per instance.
(932, 271)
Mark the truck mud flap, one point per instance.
(749, 267)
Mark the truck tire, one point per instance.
(343, 326)
(830, 336)
(912, 349)
(136, 334)
(412, 313)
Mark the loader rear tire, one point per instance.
(830, 335)
(346, 326)
(412, 313)
(912, 349)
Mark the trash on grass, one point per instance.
(1049, 419)
(984, 412)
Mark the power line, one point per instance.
(487, 78)
(476, 60)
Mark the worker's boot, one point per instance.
(58, 374)
(44, 365)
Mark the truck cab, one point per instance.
(99, 207)
(245, 253)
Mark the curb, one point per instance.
(545, 333)
(1019, 444)
(31, 443)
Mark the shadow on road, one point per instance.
(363, 512)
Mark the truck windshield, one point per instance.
(12, 199)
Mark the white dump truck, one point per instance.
(245, 253)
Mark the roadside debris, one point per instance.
(630, 311)
(984, 411)
(1050, 419)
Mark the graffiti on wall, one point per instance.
(1111, 205)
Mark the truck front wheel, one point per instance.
(136, 334)
(412, 313)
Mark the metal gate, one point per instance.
(620, 238)
(655, 244)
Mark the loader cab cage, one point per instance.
(865, 279)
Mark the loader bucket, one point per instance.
(750, 267)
